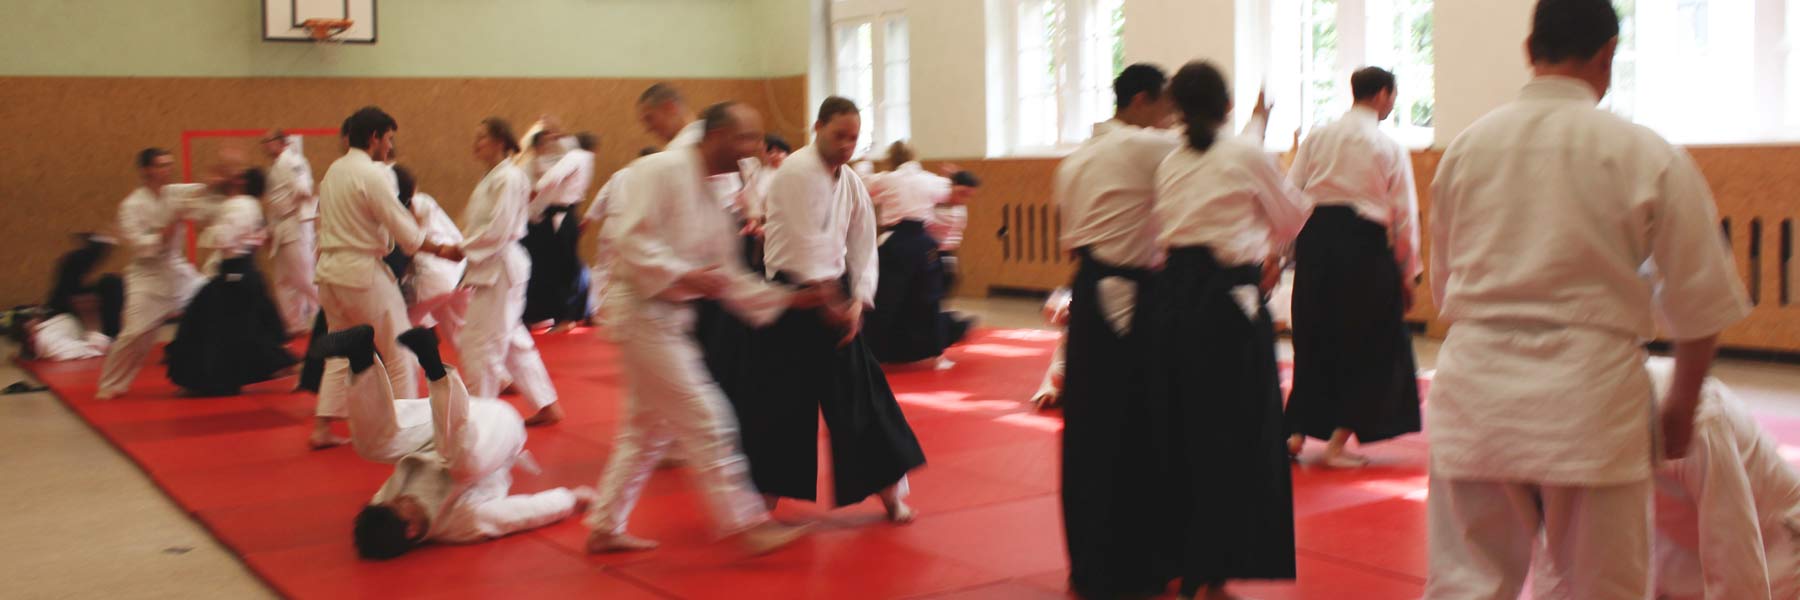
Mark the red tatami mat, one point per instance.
(989, 525)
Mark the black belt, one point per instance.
(1202, 257)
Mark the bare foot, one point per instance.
(900, 513)
(1296, 442)
(771, 536)
(563, 327)
(944, 363)
(770, 500)
(606, 543)
(1345, 460)
(1047, 399)
(107, 395)
(322, 439)
(549, 415)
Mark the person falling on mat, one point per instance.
(453, 454)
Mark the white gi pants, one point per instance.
(671, 398)
(377, 306)
(599, 273)
(1482, 536)
(148, 303)
(383, 428)
(447, 313)
(295, 291)
(495, 345)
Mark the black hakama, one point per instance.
(231, 334)
(72, 271)
(1109, 466)
(724, 339)
(1216, 397)
(557, 290)
(1353, 355)
(800, 372)
(907, 324)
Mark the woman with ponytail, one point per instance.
(1223, 210)
(494, 344)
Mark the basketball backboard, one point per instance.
(283, 19)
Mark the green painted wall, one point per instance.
(418, 38)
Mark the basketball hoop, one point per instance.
(324, 29)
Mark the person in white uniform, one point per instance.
(1727, 514)
(1223, 211)
(232, 333)
(1545, 213)
(292, 211)
(815, 363)
(675, 246)
(498, 344)
(1105, 190)
(453, 454)
(557, 289)
(907, 324)
(1355, 265)
(360, 221)
(159, 280)
(430, 286)
(600, 270)
(58, 331)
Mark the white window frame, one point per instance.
(877, 14)
(1769, 89)
(1074, 58)
(1275, 43)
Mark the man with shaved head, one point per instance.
(676, 246)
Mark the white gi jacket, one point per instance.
(432, 275)
(1106, 188)
(1351, 162)
(819, 227)
(664, 223)
(360, 220)
(1728, 514)
(463, 479)
(233, 231)
(909, 193)
(1231, 199)
(62, 337)
(1544, 213)
(565, 183)
(158, 264)
(493, 223)
(290, 196)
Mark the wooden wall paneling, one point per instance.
(70, 140)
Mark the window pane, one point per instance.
(855, 62)
(1321, 93)
(1038, 30)
(899, 121)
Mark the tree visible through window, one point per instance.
(1064, 55)
(1312, 47)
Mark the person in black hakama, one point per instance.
(907, 324)
(1354, 266)
(557, 290)
(1109, 468)
(231, 334)
(820, 229)
(1223, 209)
(72, 272)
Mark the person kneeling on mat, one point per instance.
(452, 454)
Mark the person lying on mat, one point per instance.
(1727, 514)
(452, 454)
